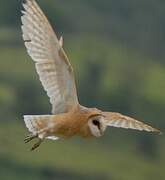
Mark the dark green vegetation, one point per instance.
(117, 50)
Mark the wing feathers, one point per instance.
(61, 41)
(120, 121)
(52, 64)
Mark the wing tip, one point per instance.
(157, 131)
(23, 1)
(152, 130)
(26, 1)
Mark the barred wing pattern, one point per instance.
(52, 64)
(120, 121)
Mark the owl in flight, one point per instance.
(56, 74)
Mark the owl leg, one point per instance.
(36, 145)
(39, 134)
(30, 137)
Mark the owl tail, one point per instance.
(36, 123)
(38, 126)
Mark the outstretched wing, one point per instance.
(52, 64)
(120, 121)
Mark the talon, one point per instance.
(35, 146)
(30, 137)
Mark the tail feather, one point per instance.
(34, 123)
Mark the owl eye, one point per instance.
(96, 123)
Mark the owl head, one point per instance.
(97, 125)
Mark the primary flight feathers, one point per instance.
(120, 121)
(52, 64)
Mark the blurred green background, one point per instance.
(117, 48)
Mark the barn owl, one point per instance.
(68, 118)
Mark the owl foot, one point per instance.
(30, 137)
(33, 136)
(36, 145)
